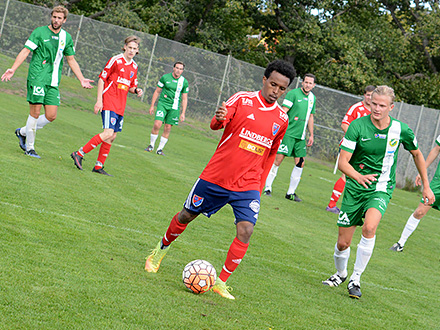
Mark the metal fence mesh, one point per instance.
(212, 77)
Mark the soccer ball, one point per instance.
(199, 276)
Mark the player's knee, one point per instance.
(419, 214)
(245, 230)
(300, 162)
(51, 117)
(107, 136)
(343, 245)
(368, 231)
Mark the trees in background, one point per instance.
(346, 43)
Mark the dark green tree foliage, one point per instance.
(346, 43)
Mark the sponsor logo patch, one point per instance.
(123, 87)
(248, 102)
(380, 136)
(255, 206)
(256, 149)
(39, 91)
(197, 200)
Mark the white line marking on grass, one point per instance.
(43, 211)
(325, 179)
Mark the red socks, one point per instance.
(103, 153)
(92, 144)
(174, 230)
(236, 252)
(337, 192)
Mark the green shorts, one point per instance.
(435, 187)
(292, 147)
(355, 205)
(42, 94)
(165, 114)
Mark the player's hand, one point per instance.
(85, 83)
(418, 181)
(140, 92)
(151, 110)
(428, 196)
(8, 75)
(366, 179)
(221, 112)
(98, 107)
(182, 117)
(310, 141)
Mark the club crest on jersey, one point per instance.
(393, 142)
(131, 74)
(197, 200)
(248, 102)
(113, 121)
(275, 128)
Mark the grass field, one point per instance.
(73, 244)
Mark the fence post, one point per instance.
(416, 130)
(4, 18)
(149, 67)
(435, 132)
(400, 110)
(223, 81)
(297, 82)
(76, 40)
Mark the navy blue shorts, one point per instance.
(207, 198)
(112, 120)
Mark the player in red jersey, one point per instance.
(254, 125)
(356, 111)
(117, 79)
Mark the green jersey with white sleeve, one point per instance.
(300, 106)
(375, 152)
(172, 90)
(48, 49)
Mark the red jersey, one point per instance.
(118, 76)
(356, 111)
(248, 146)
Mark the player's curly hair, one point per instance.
(385, 90)
(283, 67)
(60, 9)
(130, 39)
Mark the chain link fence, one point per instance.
(212, 77)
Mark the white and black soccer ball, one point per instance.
(199, 276)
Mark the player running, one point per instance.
(368, 157)
(172, 90)
(357, 110)
(254, 125)
(48, 44)
(117, 79)
(422, 209)
(299, 104)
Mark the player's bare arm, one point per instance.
(346, 168)
(310, 128)
(344, 127)
(18, 61)
(184, 106)
(431, 157)
(154, 99)
(428, 195)
(98, 105)
(134, 90)
(85, 83)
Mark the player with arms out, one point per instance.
(254, 125)
(368, 158)
(422, 209)
(117, 79)
(48, 44)
(172, 90)
(299, 104)
(356, 111)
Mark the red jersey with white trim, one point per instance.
(356, 111)
(119, 76)
(248, 146)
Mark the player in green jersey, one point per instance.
(49, 44)
(172, 90)
(422, 209)
(368, 158)
(300, 107)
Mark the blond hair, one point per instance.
(385, 90)
(60, 9)
(131, 39)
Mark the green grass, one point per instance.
(73, 244)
